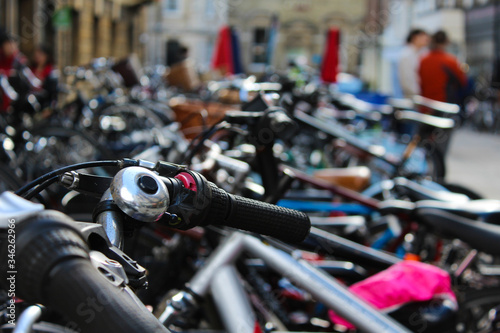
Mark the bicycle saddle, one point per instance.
(471, 208)
(482, 236)
(353, 178)
(358, 105)
(436, 105)
(396, 207)
(425, 119)
(417, 192)
(401, 103)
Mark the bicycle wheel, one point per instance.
(53, 147)
(161, 110)
(127, 129)
(427, 163)
(133, 117)
(474, 311)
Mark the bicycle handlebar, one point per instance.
(256, 216)
(196, 201)
(265, 125)
(183, 199)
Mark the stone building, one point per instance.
(482, 34)
(29, 20)
(78, 30)
(302, 27)
(193, 24)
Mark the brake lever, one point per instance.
(86, 183)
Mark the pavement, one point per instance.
(473, 161)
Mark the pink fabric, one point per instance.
(405, 282)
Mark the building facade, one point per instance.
(77, 30)
(482, 35)
(192, 24)
(301, 30)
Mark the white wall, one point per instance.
(195, 25)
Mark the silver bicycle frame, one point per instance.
(232, 301)
(218, 276)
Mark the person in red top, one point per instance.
(10, 59)
(441, 77)
(43, 69)
(43, 64)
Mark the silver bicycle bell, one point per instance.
(140, 194)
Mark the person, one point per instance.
(10, 59)
(441, 77)
(43, 69)
(43, 63)
(183, 53)
(416, 44)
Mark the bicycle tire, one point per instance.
(71, 146)
(476, 304)
(104, 153)
(161, 110)
(130, 112)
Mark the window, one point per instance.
(468, 3)
(423, 7)
(259, 49)
(3, 10)
(172, 7)
(449, 3)
(209, 8)
(209, 51)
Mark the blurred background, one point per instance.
(270, 33)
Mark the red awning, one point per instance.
(223, 56)
(329, 67)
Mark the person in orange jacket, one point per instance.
(441, 77)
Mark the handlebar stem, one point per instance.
(112, 222)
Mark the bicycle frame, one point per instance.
(219, 276)
(367, 149)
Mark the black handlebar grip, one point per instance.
(246, 214)
(54, 269)
(281, 124)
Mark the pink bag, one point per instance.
(404, 282)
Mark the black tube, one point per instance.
(53, 268)
(237, 212)
(60, 171)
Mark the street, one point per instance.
(474, 161)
